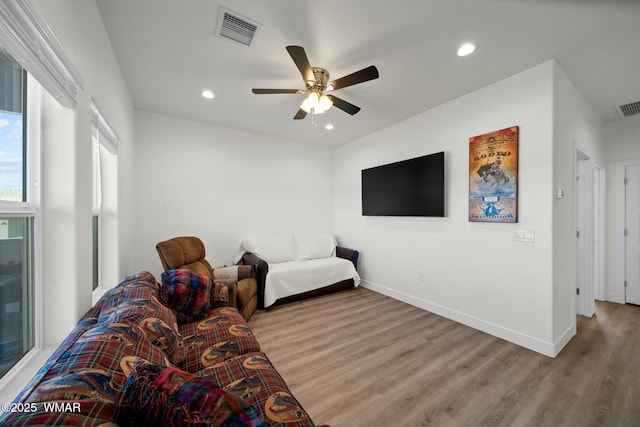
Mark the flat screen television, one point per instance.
(413, 187)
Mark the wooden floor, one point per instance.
(358, 358)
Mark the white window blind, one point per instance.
(103, 132)
(97, 174)
(32, 44)
(101, 135)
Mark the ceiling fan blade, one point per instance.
(271, 91)
(301, 114)
(345, 106)
(302, 62)
(364, 75)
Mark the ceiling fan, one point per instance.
(317, 82)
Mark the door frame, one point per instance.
(584, 203)
(599, 232)
(618, 294)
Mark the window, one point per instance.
(95, 232)
(25, 41)
(13, 81)
(18, 214)
(96, 207)
(104, 142)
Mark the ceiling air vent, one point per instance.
(236, 27)
(630, 109)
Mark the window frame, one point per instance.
(96, 210)
(30, 208)
(102, 137)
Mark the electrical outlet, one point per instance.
(524, 236)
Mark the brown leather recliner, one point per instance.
(187, 252)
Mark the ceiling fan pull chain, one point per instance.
(313, 117)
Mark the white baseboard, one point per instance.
(614, 297)
(546, 348)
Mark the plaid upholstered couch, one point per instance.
(132, 360)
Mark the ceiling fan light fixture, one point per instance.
(319, 104)
(325, 102)
(309, 102)
(316, 82)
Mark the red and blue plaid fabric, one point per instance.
(98, 364)
(253, 378)
(222, 335)
(140, 306)
(166, 396)
(141, 286)
(126, 326)
(89, 368)
(187, 292)
(220, 290)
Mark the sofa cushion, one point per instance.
(167, 396)
(157, 321)
(218, 297)
(187, 292)
(274, 249)
(296, 277)
(97, 363)
(222, 335)
(93, 369)
(315, 246)
(135, 287)
(253, 377)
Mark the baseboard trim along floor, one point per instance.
(551, 349)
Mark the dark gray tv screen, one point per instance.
(413, 187)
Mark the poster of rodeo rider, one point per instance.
(493, 176)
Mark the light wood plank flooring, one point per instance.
(358, 358)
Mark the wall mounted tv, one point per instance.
(413, 187)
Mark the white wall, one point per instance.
(223, 185)
(622, 139)
(474, 272)
(576, 127)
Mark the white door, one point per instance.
(632, 227)
(599, 225)
(584, 198)
(580, 250)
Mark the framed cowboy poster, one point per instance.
(493, 176)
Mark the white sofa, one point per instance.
(289, 266)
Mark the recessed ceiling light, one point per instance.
(466, 49)
(328, 126)
(208, 94)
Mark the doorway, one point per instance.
(632, 234)
(625, 289)
(589, 233)
(599, 238)
(585, 304)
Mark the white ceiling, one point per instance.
(168, 53)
